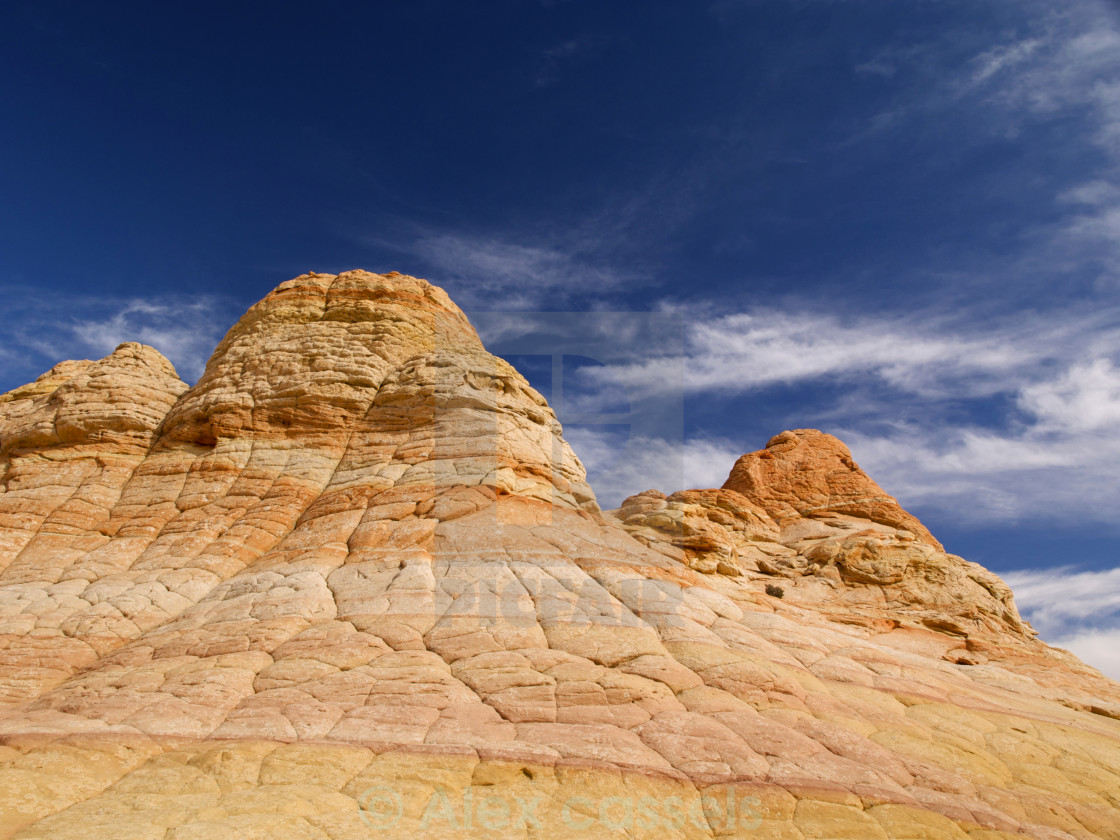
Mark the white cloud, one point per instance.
(186, 333)
(1093, 231)
(1076, 610)
(877, 67)
(1102, 226)
(766, 347)
(47, 330)
(1000, 58)
(619, 467)
(1092, 193)
(1099, 648)
(1058, 598)
(1083, 399)
(923, 354)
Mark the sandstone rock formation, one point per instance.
(353, 583)
(807, 472)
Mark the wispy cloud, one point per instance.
(1061, 597)
(1051, 61)
(561, 261)
(877, 67)
(1053, 67)
(495, 273)
(187, 332)
(1077, 610)
(1097, 647)
(1070, 68)
(1000, 58)
(737, 352)
(46, 330)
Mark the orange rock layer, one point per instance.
(354, 583)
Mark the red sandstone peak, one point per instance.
(808, 473)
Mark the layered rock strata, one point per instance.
(354, 583)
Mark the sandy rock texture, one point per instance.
(809, 473)
(354, 584)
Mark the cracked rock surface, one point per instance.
(354, 583)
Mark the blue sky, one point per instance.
(895, 221)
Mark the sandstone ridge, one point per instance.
(354, 582)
